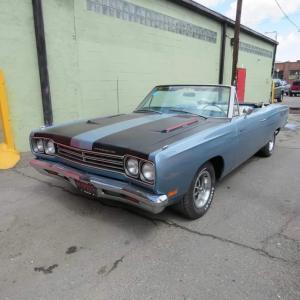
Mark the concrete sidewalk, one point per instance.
(55, 244)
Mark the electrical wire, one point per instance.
(286, 15)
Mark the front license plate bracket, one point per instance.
(86, 188)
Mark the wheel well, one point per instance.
(218, 164)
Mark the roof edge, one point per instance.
(203, 10)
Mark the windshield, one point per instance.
(206, 101)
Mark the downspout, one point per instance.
(222, 53)
(42, 61)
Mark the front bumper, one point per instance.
(105, 187)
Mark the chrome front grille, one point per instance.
(94, 159)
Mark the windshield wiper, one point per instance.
(186, 112)
(148, 110)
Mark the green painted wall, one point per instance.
(60, 33)
(121, 61)
(19, 63)
(102, 65)
(258, 68)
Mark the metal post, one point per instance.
(236, 41)
(42, 61)
(273, 92)
(222, 53)
(9, 156)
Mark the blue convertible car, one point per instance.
(170, 151)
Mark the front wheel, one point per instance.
(200, 194)
(267, 150)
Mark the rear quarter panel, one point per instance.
(276, 116)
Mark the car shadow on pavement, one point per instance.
(102, 208)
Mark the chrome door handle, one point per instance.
(263, 120)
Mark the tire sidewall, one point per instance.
(200, 211)
(273, 139)
(267, 151)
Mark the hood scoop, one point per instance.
(97, 121)
(180, 125)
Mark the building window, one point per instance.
(294, 74)
(130, 12)
(255, 50)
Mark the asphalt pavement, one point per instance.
(56, 244)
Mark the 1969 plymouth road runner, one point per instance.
(171, 150)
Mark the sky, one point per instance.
(265, 16)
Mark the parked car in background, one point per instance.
(171, 150)
(278, 90)
(285, 87)
(295, 88)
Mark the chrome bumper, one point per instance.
(106, 187)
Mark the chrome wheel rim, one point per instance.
(271, 145)
(202, 189)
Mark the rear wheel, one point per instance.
(268, 149)
(200, 194)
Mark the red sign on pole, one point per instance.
(240, 85)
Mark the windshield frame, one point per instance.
(230, 100)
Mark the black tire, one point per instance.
(268, 149)
(194, 209)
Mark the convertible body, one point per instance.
(150, 158)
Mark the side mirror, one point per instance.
(248, 111)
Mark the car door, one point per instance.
(249, 134)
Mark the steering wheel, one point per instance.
(217, 106)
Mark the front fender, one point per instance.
(177, 165)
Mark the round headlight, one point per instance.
(50, 147)
(34, 146)
(40, 145)
(132, 166)
(148, 171)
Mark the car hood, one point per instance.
(137, 132)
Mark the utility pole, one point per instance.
(236, 41)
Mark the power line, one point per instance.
(287, 17)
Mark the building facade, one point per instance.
(288, 71)
(104, 56)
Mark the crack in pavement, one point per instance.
(52, 185)
(260, 251)
(225, 240)
(279, 233)
(45, 270)
(115, 265)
